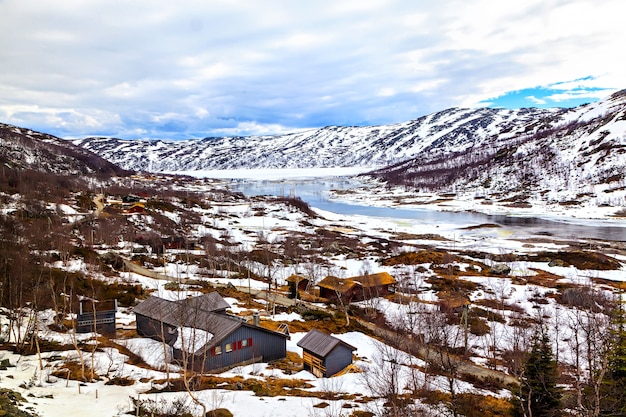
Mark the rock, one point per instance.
(500, 269)
(557, 262)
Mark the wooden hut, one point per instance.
(362, 287)
(332, 287)
(203, 337)
(298, 281)
(94, 315)
(324, 355)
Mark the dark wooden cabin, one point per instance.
(98, 316)
(204, 337)
(324, 355)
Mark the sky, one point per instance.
(199, 68)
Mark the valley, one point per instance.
(247, 247)
(447, 251)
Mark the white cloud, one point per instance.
(536, 100)
(592, 95)
(194, 68)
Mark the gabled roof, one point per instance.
(169, 312)
(294, 278)
(207, 302)
(374, 280)
(367, 281)
(321, 344)
(336, 284)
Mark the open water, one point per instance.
(314, 192)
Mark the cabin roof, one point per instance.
(321, 344)
(207, 302)
(337, 284)
(367, 281)
(374, 280)
(294, 278)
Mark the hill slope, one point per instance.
(372, 146)
(24, 149)
(581, 154)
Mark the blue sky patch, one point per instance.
(554, 95)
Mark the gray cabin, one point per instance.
(205, 338)
(324, 355)
(96, 316)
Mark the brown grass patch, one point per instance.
(543, 278)
(420, 257)
(270, 387)
(327, 323)
(413, 236)
(73, 370)
(453, 290)
(290, 365)
(620, 285)
(499, 305)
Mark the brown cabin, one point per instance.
(301, 282)
(362, 287)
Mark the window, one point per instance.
(217, 350)
(244, 343)
(229, 347)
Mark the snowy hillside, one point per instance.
(578, 154)
(22, 148)
(333, 146)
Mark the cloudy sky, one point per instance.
(197, 68)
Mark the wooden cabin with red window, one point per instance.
(203, 337)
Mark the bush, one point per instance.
(219, 412)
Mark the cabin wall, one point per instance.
(337, 359)
(104, 322)
(148, 327)
(243, 345)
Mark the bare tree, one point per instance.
(391, 376)
(589, 327)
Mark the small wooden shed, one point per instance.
(96, 316)
(299, 281)
(323, 354)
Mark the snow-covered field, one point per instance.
(52, 396)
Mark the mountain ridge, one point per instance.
(26, 149)
(557, 155)
(331, 146)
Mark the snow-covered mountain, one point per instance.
(22, 148)
(573, 155)
(372, 146)
(556, 155)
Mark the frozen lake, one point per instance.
(315, 192)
